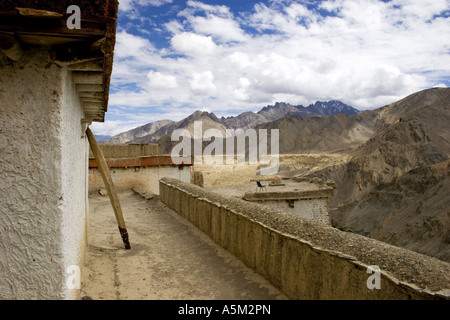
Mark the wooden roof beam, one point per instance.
(94, 65)
(87, 77)
(90, 88)
(93, 95)
(95, 100)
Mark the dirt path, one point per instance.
(169, 258)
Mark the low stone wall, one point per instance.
(311, 209)
(307, 260)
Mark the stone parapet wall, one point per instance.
(312, 209)
(304, 259)
(118, 151)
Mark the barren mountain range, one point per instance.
(152, 132)
(138, 132)
(394, 184)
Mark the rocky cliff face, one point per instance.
(244, 121)
(163, 136)
(339, 133)
(139, 132)
(411, 211)
(329, 108)
(281, 109)
(394, 186)
(319, 108)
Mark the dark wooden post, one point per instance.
(104, 170)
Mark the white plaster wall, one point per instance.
(36, 203)
(122, 178)
(313, 209)
(153, 176)
(74, 181)
(148, 177)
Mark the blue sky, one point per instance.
(173, 57)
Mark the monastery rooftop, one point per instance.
(278, 189)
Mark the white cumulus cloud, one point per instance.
(366, 53)
(202, 83)
(161, 81)
(193, 44)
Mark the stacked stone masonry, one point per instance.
(304, 259)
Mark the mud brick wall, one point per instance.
(306, 260)
(119, 151)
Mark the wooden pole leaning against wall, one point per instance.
(104, 170)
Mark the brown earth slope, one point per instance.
(412, 211)
(390, 188)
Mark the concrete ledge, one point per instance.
(307, 260)
(140, 190)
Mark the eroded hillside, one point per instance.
(394, 186)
